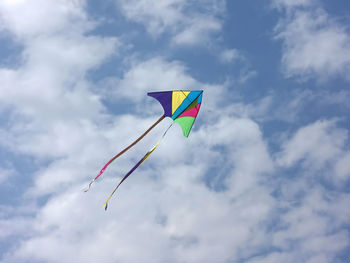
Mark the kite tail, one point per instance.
(123, 151)
(105, 205)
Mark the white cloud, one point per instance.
(310, 223)
(274, 107)
(177, 17)
(292, 3)
(315, 145)
(314, 44)
(173, 197)
(25, 19)
(230, 55)
(169, 198)
(157, 15)
(157, 74)
(197, 31)
(49, 101)
(166, 199)
(320, 146)
(56, 110)
(48, 92)
(5, 173)
(311, 229)
(15, 226)
(342, 167)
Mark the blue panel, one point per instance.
(187, 102)
(199, 100)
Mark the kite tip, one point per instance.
(106, 206)
(87, 189)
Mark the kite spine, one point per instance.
(123, 151)
(105, 205)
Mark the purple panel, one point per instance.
(165, 98)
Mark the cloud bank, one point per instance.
(224, 195)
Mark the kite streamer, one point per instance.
(105, 205)
(123, 151)
(182, 106)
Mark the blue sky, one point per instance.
(264, 175)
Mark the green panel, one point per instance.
(186, 124)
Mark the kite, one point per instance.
(180, 105)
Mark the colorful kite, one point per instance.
(180, 105)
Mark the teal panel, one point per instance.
(187, 102)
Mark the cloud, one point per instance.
(314, 144)
(198, 31)
(5, 173)
(309, 231)
(218, 196)
(177, 18)
(153, 74)
(169, 194)
(157, 16)
(288, 4)
(342, 167)
(314, 44)
(169, 201)
(24, 18)
(230, 55)
(321, 148)
(315, 232)
(47, 99)
(158, 74)
(48, 90)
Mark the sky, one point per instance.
(264, 175)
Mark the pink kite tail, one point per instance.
(101, 172)
(123, 151)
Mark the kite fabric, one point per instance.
(180, 105)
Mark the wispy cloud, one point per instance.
(314, 44)
(25, 19)
(223, 195)
(316, 144)
(309, 231)
(48, 95)
(230, 55)
(290, 4)
(188, 22)
(5, 173)
(67, 114)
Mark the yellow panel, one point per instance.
(177, 98)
